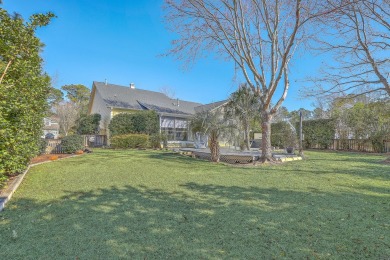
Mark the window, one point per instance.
(175, 128)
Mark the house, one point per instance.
(51, 128)
(109, 100)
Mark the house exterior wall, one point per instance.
(98, 106)
(116, 111)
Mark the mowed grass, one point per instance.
(160, 205)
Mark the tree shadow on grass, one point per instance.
(195, 221)
(367, 172)
(345, 157)
(176, 158)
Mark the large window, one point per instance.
(175, 128)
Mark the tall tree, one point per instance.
(78, 94)
(260, 36)
(23, 90)
(358, 36)
(293, 116)
(55, 97)
(281, 114)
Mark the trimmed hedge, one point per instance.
(142, 122)
(130, 141)
(318, 132)
(72, 143)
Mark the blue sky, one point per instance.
(123, 41)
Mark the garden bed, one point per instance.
(46, 157)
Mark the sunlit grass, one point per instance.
(153, 205)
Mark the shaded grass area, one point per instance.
(153, 205)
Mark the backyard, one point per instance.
(152, 204)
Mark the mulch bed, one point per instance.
(46, 157)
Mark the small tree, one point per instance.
(244, 107)
(215, 125)
(68, 113)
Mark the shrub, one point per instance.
(121, 124)
(377, 140)
(130, 141)
(155, 141)
(318, 132)
(72, 143)
(282, 135)
(89, 125)
(142, 122)
(42, 146)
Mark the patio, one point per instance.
(232, 156)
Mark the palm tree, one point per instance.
(244, 106)
(213, 123)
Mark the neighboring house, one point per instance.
(109, 100)
(51, 128)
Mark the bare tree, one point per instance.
(168, 91)
(260, 36)
(68, 113)
(358, 36)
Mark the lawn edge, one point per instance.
(14, 184)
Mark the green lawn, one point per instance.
(153, 205)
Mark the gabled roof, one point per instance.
(117, 96)
(210, 106)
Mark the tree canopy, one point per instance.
(358, 37)
(259, 36)
(24, 89)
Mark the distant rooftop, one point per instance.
(210, 106)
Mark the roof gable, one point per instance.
(210, 106)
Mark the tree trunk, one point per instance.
(266, 150)
(247, 143)
(5, 71)
(214, 147)
(300, 135)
